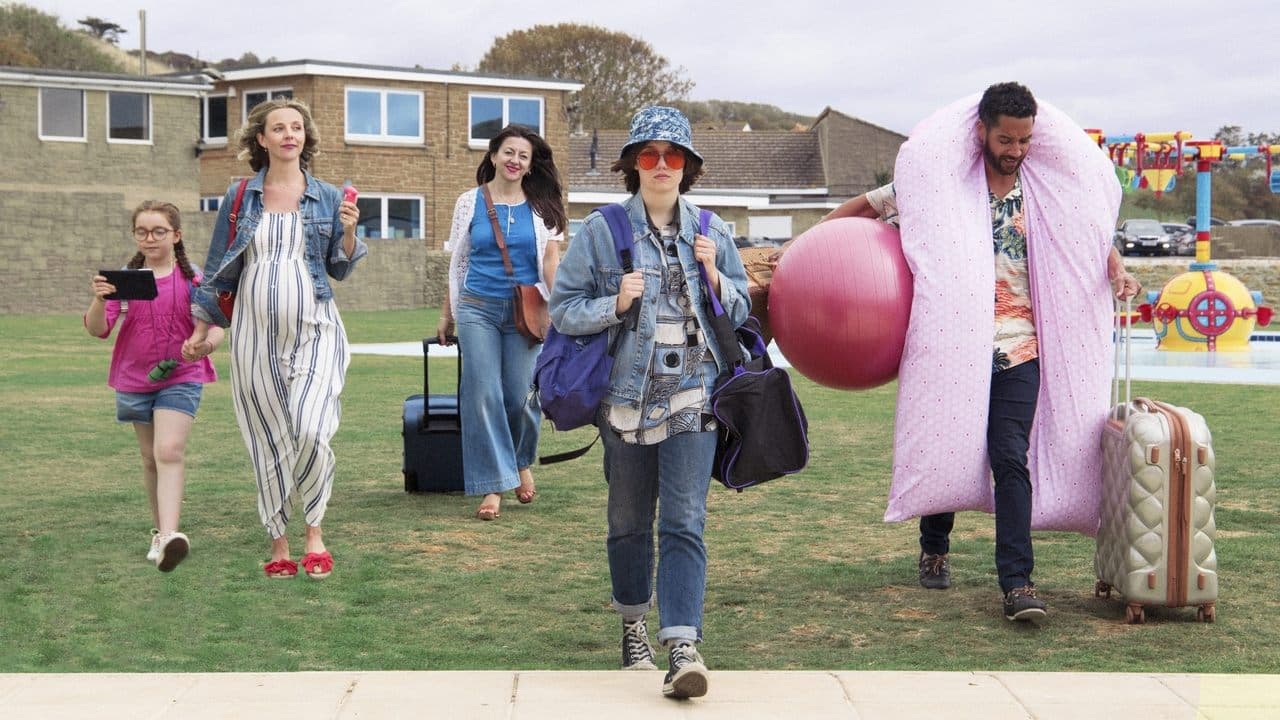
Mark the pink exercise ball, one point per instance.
(840, 301)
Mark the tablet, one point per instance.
(131, 284)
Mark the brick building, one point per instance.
(771, 184)
(79, 151)
(408, 139)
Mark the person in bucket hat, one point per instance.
(659, 436)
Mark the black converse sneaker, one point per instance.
(687, 676)
(637, 654)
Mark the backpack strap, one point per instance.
(620, 228)
(235, 212)
(726, 336)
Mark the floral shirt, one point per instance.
(1015, 338)
(1015, 330)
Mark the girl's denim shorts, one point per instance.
(139, 407)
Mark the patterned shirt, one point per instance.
(675, 400)
(1015, 340)
(1015, 329)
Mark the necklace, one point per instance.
(506, 200)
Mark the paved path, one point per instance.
(617, 695)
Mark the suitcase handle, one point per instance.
(427, 342)
(1127, 336)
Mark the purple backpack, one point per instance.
(572, 372)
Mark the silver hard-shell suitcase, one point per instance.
(1156, 533)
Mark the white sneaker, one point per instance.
(154, 552)
(173, 549)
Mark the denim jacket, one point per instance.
(583, 300)
(321, 225)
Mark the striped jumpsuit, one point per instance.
(289, 359)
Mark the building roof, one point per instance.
(80, 80)
(775, 160)
(830, 112)
(387, 72)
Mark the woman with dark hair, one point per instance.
(500, 417)
(655, 420)
(289, 352)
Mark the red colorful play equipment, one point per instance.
(840, 302)
(1204, 309)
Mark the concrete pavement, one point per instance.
(618, 695)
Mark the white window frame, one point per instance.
(84, 118)
(383, 137)
(733, 228)
(270, 93)
(210, 203)
(383, 198)
(506, 98)
(150, 111)
(204, 130)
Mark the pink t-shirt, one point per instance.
(154, 330)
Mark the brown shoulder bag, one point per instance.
(530, 307)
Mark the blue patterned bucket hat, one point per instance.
(658, 122)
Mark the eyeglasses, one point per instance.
(648, 158)
(159, 233)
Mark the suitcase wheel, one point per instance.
(1102, 589)
(1134, 615)
(1206, 613)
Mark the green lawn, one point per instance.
(803, 575)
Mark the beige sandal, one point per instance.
(487, 510)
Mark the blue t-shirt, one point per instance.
(485, 275)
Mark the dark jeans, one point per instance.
(1012, 409)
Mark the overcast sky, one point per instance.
(1121, 66)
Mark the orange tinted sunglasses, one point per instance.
(648, 158)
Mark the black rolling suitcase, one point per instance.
(432, 436)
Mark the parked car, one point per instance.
(1212, 221)
(1143, 237)
(1183, 236)
(1255, 222)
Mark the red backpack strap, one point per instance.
(235, 211)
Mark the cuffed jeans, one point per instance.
(672, 476)
(1012, 410)
(500, 417)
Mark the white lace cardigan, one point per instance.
(459, 246)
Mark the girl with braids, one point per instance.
(500, 419)
(154, 390)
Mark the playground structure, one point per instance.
(1204, 309)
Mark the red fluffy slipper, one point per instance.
(280, 569)
(318, 565)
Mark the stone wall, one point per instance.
(65, 206)
(1262, 275)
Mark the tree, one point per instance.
(31, 38)
(103, 29)
(620, 73)
(733, 115)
